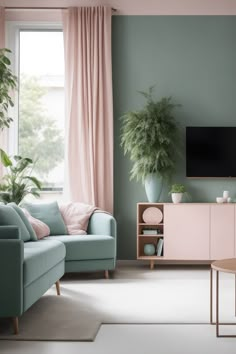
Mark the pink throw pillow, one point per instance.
(40, 228)
(76, 217)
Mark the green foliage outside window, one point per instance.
(40, 138)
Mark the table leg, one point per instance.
(211, 294)
(217, 303)
(235, 296)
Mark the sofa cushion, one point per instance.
(87, 247)
(40, 228)
(40, 257)
(48, 213)
(8, 216)
(20, 212)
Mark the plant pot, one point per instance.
(176, 197)
(153, 187)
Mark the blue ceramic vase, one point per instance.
(153, 187)
(149, 249)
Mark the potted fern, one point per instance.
(151, 138)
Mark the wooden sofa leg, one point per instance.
(16, 325)
(107, 274)
(58, 287)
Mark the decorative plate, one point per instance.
(152, 215)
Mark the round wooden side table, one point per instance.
(225, 266)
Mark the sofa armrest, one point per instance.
(9, 232)
(102, 224)
(11, 275)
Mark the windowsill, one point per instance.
(52, 195)
(51, 192)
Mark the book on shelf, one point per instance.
(160, 247)
(150, 232)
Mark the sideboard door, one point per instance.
(222, 231)
(187, 231)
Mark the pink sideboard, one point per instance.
(191, 231)
(187, 231)
(199, 231)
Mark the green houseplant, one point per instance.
(177, 191)
(8, 82)
(18, 181)
(151, 138)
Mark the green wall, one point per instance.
(192, 59)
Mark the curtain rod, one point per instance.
(42, 8)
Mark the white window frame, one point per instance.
(13, 29)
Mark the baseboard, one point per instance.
(129, 262)
(136, 263)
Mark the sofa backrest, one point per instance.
(9, 217)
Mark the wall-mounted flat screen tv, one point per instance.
(211, 152)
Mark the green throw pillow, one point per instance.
(8, 216)
(49, 214)
(20, 212)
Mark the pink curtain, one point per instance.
(3, 133)
(89, 107)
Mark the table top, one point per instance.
(225, 265)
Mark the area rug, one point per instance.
(133, 295)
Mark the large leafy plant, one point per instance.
(18, 181)
(8, 82)
(151, 138)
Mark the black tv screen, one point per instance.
(211, 152)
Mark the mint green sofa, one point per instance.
(28, 269)
(94, 251)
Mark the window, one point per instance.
(40, 128)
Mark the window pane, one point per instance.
(41, 104)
